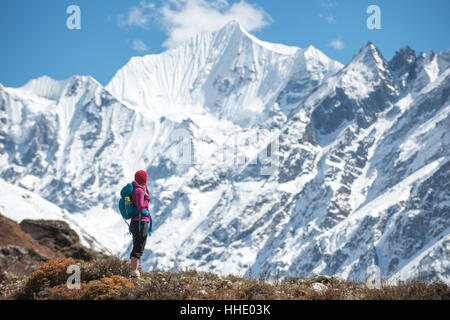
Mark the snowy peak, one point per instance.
(228, 73)
(371, 57)
(366, 71)
(361, 90)
(412, 73)
(316, 59)
(310, 69)
(404, 56)
(403, 66)
(275, 47)
(433, 64)
(46, 87)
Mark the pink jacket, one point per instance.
(140, 201)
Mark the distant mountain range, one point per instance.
(361, 178)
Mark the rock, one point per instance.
(51, 233)
(36, 255)
(20, 254)
(17, 259)
(42, 295)
(13, 251)
(225, 284)
(3, 275)
(59, 238)
(25, 246)
(320, 279)
(319, 287)
(77, 251)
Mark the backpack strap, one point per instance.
(150, 226)
(140, 221)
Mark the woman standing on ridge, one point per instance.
(141, 200)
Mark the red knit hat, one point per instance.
(141, 177)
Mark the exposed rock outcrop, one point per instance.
(25, 246)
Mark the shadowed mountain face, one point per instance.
(359, 152)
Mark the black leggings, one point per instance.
(139, 238)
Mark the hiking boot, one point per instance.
(135, 274)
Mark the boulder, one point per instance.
(320, 279)
(17, 260)
(3, 275)
(319, 287)
(59, 238)
(53, 234)
(20, 254)
(13, 251)
(80, 252)
(25, 246)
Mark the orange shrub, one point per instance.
(50, 274)
(106, 288)
(61, 292)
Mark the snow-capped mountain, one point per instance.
(228, 74)
(358, 153)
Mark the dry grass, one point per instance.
(104, 267)
(106, 288)
(108, 278)
(414, 290)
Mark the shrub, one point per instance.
(161, 286)
(12, 286)
(183, 285)
(50, 274)
(104, 267)
(413, 290)
(106, 288)
(255, 290)
(61, 292)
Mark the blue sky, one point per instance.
(35, 40)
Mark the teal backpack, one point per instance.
(128, 210)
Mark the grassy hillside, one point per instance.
(108, 278)
(35, 256)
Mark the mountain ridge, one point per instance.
(357, 145)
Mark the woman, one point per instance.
(140, 199)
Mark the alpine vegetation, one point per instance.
(261, 158)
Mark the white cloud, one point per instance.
(183, 19)
(328, 15)
(137, 15)
(328, 4)
(139, 45)
(328, 18)
(337, 44)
